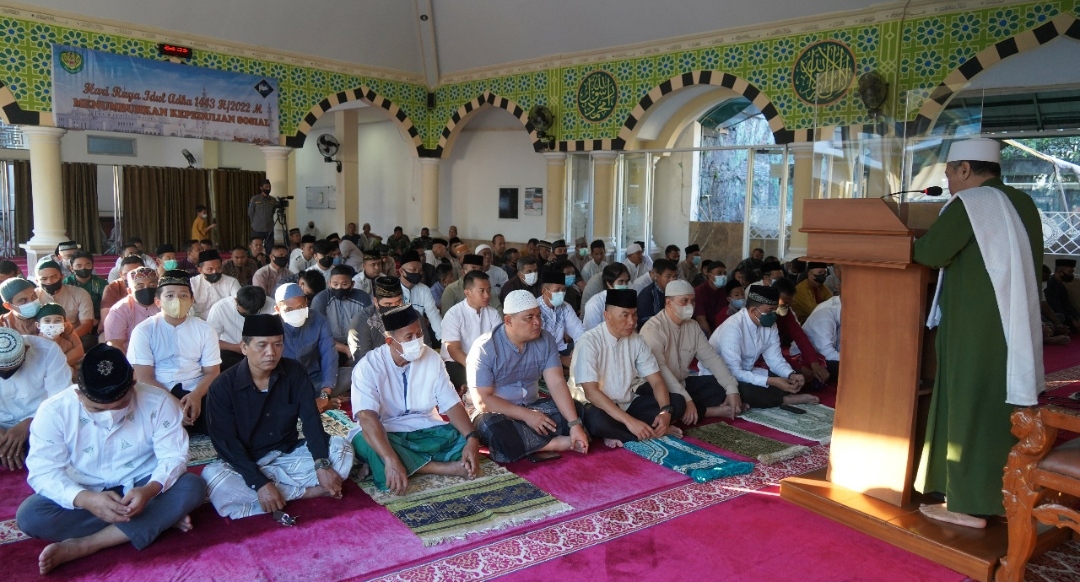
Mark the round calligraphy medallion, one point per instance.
(823, 72)
(597, 96)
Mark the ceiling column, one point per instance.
(346, 124)
(277, 171)
(603, 202)
(555, 205)
(46, 179)
(429, 194)
(803, 183)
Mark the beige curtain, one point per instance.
(159, 203)
(80, 204)
(233, 190)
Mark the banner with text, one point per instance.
(107, 92)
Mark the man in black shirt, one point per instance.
(252, 412)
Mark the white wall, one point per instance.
(673, 180)
(493, 150)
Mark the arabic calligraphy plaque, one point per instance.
(823, 72)
(597, 96)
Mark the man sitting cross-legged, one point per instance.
(107, 464)
(676, 340)
(398, 392)
(750, 334)
(615, 373)
(252, 412)
(32, 368)
(504, 368)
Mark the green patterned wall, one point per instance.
(915, 56)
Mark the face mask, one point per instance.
(412, 350)
(84, 273)
(719, 280)
(697, 260)
(29, 310)
(820, 278)
(1067, 278)
(175, 308)
(213, 278)
(570, 280)
(281, 261)
(108, 418)
(557, 298)
(296, 317)
(530, 279)
(583, 252)
(338, 260)
(145, 296)
(53, 288)
(326, 262)
(171, 265)
(782, 311)
(622, 286)
(413, 278)
(685, 312)
(51, 330)
(767, 319)
(738, 303)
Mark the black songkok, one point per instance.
(387, 287)
(105, 375)
(763, 295)
(621, 298)
(263, 325)
(398, 317)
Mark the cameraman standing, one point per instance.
(261, 214)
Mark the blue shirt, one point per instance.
(340, 312)
(436, 292)
(495, 361)
(649, 302)
(312, 344)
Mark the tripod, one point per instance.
(281, 220)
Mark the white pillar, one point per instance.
(346, 125)
(803, 178)
(555, 201)
(429, 194)
(46, 178)
(603, 202)
(277, 171)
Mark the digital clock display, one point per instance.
(172, 50)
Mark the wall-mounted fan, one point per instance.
(328, 146)
(542, 119)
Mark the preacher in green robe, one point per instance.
(968, 430)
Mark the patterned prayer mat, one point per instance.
(439, 508)
(815, 425)
(201, 451)
(695, 462)
(766, 450)
(10, 532)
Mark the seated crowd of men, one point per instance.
(438, 347)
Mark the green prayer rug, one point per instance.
(200, 450)
(766, 450)
(815, 425)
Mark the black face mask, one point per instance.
(281, 261)
(1067, 278)
(145, 296)
(326, 262)
(340, 294)
(7, 374)
(53, 288)
(213, 278)
(414, 278)
(820, 278)
(84, 273)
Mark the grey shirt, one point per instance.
(496, 362)
(261, 212)
(340, 312)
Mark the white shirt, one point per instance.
(360, 281)
(561, 322)
(378, 385)
(44, 373)
(351, 255)
(72, 451)
(619, 365)
(206, 294)
(590, 268)
(325, 273)
(464, 324)
(497, 277)
(227, 322)
(641, 282)
(423, 302)
(823, 329)
(298, 263)
(594, 310)
(636, 271)
(177, 353)
(740, 342)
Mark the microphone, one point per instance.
(931, 191)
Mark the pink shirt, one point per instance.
(123, 317)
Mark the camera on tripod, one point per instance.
(283, 202)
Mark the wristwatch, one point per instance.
(324, 395)
(668, 409)
(573, 423)
(322, 464)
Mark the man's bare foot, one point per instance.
(724, 411)
(62, 552)
(1058, 340)
(184, 524)
(313, 492)
(940, 513)
(560, 443)
(613, 443)
(801, 399)
(578, 447)
(674, 431)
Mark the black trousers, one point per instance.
(706, 392)
(643, 407)
(761, 396)
(457, 374)
(230, 359)
(200, 423)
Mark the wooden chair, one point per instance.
(1039, 480)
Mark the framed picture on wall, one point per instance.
(508, 202)
(534, 201)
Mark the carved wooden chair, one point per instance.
(1039, 480)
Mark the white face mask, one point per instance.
(51, 330)
(412, 350)
(557, 298)
(720, 281)
(109, 419)
(530, 279)
(685, 312)
(296, 317)
(29, 310)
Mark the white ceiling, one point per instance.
(469, 34)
